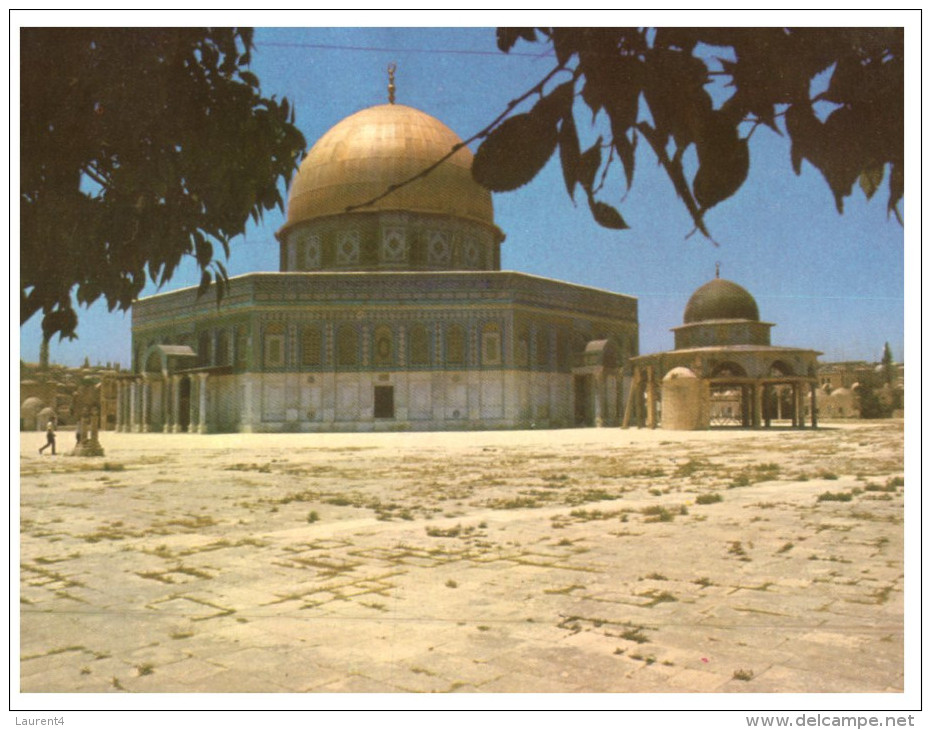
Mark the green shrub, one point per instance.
(656, 513)
(835, 497)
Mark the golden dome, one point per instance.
(366, 153)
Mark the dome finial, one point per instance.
(717, 269)
(392, 67)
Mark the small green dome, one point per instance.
(720, 299)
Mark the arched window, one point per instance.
(203, 348)
(223, 348)
(419, 344)
(522, 351)
(491, 344)
(728, 370)
(347, 346)
(384, 346)
(242, 344)
(543, 347)
(311, 346)
(455, 345)
(562, 349)
(274, 345)
(779, 368)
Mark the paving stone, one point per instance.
(523, 682)
(226, 588)
(696, 680)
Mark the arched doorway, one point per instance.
(730, 401)
(779, 403)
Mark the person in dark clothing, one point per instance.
(49, 438)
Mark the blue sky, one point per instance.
(830, 282)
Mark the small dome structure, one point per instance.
(381, 146)
(679, 372)
(45, 415)
(720, 299)
(31, 404)
(685, 400)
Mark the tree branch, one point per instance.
(674, 171)
(538, 88)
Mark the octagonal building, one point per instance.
(389, 312)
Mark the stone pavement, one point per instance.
(559, 561)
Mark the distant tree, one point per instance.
(888, 365)
(871, 405)
(139, 147)
(652, 84)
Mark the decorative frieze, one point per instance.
(348, 248)
(393, 246)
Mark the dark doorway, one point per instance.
(184, 405)
(384, 401)
(583, 399)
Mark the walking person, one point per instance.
(49, 438)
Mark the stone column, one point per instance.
(117, 426)
(767, 404)
(124, 408)
(144, 425)
(597, 394)
(651, 399)
(176, 403)
(757, 404)
(168, 411)
(814, 406)
(800, 405)
(246, 419)
(133, 406)
(191, 407)
(202, 393)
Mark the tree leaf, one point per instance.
(205, 281)
(569, 154)
(507, 37)
(61, 321)
(896, 189)
(606, 216)
(673, 168)
(203, 250)
(626, 150)
(805, 130)
(871, 179)
(556, 105)
(589, 164)
(723, 164)
(514, 152)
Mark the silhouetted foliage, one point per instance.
(654, 84)
(139, 147)
(888, 365)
